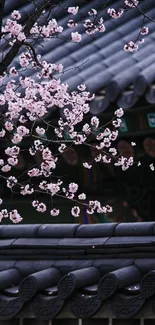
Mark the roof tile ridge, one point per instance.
(75, 230)
(118, 223)
(14, 239)
(137, 266)
(38, 230)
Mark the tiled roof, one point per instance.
(99, 60)
(49, 266)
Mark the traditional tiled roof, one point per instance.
(99, 60)
(51, 265)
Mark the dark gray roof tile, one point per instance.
(6, 243)
(108, 265)
(47, 306)
(77, 280)
(110, 283)
(147, 286)
(145, 79)
(35, 242)
(98, 105)
(130, 241)
(127, 99)
(79, 305)
(96, 230)
(126, 306)
(82, 242)
(134, 229)
(10, 231)
(38, 281)
(57, 231)
(121, 81)
(150, 94)
(72, 265)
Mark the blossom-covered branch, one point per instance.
(25, 102)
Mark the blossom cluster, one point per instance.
(13, 215)
(15, 30)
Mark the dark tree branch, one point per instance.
(17, 45)
(2, 3)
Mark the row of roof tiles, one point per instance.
(77, 230)
(123, 282)
(83, 278)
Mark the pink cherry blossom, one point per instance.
(71, 23)
(115, 14)
(15, 216)
(131, 3)
(82, 87)
(92, 12)
(21, 37)
(90, 210)
(12, 151)
(53, 188)
(69, 195)
(55, 212)
(109, 208)
(113, 151)
(73, 187)
(75, 211)
(41, 207)
(2, 100)
(17, 138)
(35, 203)
(8, 126)
(73, 10)
(16, 15)
(5, 213)
(152, 167)
(62, 147)
(98, 158)
(131, 47)
(11, 181)
(86, 128)
(13, 71)
(22, 130)
(12, 161)
(6, 168)
(87, 165)
(144, 30)
(117, 122)
(82, 196)
(119, 112)
(40, 130)
(1, 162)
(95, 121)
(34, 172)
(26, 189)
(76, 37)
(2, 133)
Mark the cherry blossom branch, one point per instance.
(143, 13)
(17, 45)
(31, 47)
